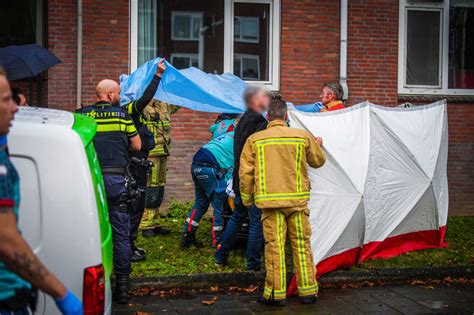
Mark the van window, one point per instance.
(30, 201)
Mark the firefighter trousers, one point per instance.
(155, 192)
(277, 225)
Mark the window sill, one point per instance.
(417, 98)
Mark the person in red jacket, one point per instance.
(331, 97)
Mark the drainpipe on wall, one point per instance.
(79, 56)
(343, 52)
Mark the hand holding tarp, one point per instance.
(161, 67)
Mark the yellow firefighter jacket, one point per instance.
(158, 120)
(274, 167)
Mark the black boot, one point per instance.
(189, 238)
(135, 248)
(161, 230)
(308, 299)
(271, 302)
(121, 289)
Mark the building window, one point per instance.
(217, 36)
(247, 67)
(246, 29)
(182, 61)
(436, 52)
(185, 26)
(21, 22)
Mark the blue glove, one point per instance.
(69, 304)
(318, 106)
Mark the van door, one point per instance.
(30, 213)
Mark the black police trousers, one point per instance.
(119, 218)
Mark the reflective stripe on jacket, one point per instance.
(158, 120)
(274, 167)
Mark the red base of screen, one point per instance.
(390, 247)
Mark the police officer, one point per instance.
(158, 119)
(140, 167)
(20, 269)
(116, 134)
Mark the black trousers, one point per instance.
(140, 175)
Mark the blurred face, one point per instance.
(327, 96)
(260, 102)
(8, 108)
(22, 100)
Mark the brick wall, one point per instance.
(105, 47)
(309, 48)
(62, 32)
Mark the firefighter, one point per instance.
(158, 119)
(274, 177)
(331, 97)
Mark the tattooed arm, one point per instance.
(20, 259)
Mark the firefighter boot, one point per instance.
(189, 238)
(121, 289)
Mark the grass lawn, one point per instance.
(166, 257)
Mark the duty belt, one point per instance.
(114, 170)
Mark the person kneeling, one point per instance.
(211, 169)
(274, 176)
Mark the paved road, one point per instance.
(389, 299)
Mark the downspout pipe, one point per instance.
(343, 51)
(79, 56)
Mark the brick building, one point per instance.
(398, 51)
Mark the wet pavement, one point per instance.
(388, 299)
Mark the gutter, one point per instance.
(343, 51)
(79, 56)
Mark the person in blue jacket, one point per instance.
(211, 168)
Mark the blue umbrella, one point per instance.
(26, 60)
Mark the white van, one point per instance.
(63, 210)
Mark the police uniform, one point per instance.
(115, 128)
(138, 160)
(283, 195)
(158, 120)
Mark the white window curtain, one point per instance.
(147, 28)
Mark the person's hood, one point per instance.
(222, 127)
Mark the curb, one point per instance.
(246, 278)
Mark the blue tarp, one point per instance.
(191, 88)
(310, 108)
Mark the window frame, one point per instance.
(240, 39)
(442, 89)
(192, 16)
(272, 84)
(185, 55)
(248, 56)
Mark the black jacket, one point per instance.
(249, 123)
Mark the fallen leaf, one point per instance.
(418, 282)
(250, 289)
(142, 313)
(210, 302)
(214, 289)
(429, 287)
